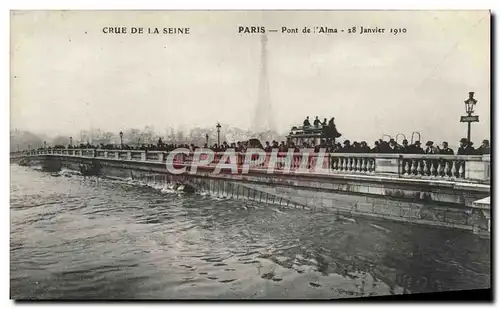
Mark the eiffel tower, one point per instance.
(264, 117)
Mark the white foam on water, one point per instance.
(380, 228)
(68, 172)
(348, 219)
(278, 211)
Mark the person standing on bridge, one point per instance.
(445, 150)
(317, 122)
(430, 148)
(465, 148)
(484, 148)
(405, 148)
(416, 149)
(306, 122)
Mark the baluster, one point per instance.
(461, 171)
(453, 170)
(440, 168)
(445, 164)
(433, 168)
(413, 166)
(420, 169)
(406, 167)
(426, 168)
(360, 165)
(448, 168)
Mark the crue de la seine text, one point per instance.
(145, 30)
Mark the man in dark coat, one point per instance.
(484, 148)
(364, 147)
(268, 147)
(430, 148)
(393, 147)
(306, 122)
(347, 147)
(331, 132)
(445, 150)
(465, 148)
(405, 148)
(317, 122)
(376, 148)
(416, 149)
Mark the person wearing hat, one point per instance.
(306, 122)
(364, 148)
(465, 148)
(405, 148)
(347, 146)
(445, 150)
(393, 146)
(376, 147)
(317, 122)
(430, 148)
(416, 149)
(484, 148)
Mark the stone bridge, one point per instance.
(438, 190)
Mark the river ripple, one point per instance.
(88, 238)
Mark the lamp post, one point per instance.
(218, 134)
(470, 103)
(206, 139)
(121, 139)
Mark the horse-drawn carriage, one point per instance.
(314, 134)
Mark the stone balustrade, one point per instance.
(474, 168)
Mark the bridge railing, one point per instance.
(447, 167)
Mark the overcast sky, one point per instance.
(67, 75)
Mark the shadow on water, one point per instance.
(91, 238)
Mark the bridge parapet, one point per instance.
(472, 168)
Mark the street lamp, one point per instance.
(206, 139)
(470, 103)
(218, 134)
(121, 139)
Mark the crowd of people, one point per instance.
(380, 146)
(317, 123)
